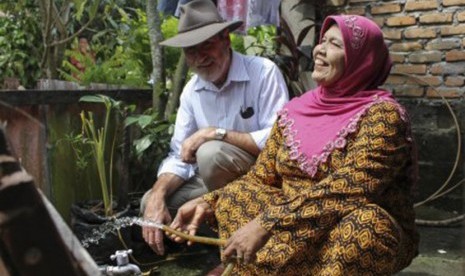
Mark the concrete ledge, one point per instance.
(434, 266)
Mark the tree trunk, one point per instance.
(178, 84)
(157, 76)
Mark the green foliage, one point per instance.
(19, 51)
(151, 146)
(125, 62)
(237, 43)
(261, 41)
(101, 141)
(122, 52)
(120, 69)
(169, 28)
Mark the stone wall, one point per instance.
(426, 39)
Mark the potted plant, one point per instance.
(96, 146)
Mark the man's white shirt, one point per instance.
(248, 101)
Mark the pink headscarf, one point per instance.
(319, 121)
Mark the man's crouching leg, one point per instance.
(220, 163)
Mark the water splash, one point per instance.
(111, 227)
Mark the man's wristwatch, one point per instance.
(220, 133)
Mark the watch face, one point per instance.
(220, 133)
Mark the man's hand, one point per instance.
(190, 216)
(245, 242)
(191, 145)
(156, 212)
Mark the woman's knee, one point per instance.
(371, 239)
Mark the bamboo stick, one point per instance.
(199, 239)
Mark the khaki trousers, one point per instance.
(218, 164)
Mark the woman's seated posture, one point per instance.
(331, 192)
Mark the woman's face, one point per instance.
(329, 57)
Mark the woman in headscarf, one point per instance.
(331, 192)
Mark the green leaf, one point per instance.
(92, 99)
(80, 7)
(142, 144)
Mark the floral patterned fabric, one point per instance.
(354, 217)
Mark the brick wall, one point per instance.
(426, 39)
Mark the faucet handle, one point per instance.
(121, 257)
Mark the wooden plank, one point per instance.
(34, 97)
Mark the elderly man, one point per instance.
(226, 112)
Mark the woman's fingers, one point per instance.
(248, 257)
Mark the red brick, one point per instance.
(436, 18)
(401, 21)
(360, 1)
(453, 30)
(425, 80)
(420, 33)
(335, 3)
(455, 81)
(425, 57)
(379, 21)
(405, 47)
(455, 55)
(409, 68)
(409, 91)
(386, 8)
(398, 57)
(449, 93)
(410, 79)
(461, 16)
(437, 69)
(396, 79)
(356, 10)
(416, 5)
(443, 44)
(394, 34)
(453, 2)
(447, 68)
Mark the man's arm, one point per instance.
(165, 185)
(242, 140)
(171, 175)
(239, 139)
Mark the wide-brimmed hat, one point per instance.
(199, 20)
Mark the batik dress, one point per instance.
(353, 217)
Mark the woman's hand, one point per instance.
(246, 241)
(190, 216)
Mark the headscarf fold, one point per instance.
(319, 121)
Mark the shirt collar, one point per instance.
(237, 73)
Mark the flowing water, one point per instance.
(111, 227)
(176, 262)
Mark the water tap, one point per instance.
(123, 267)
